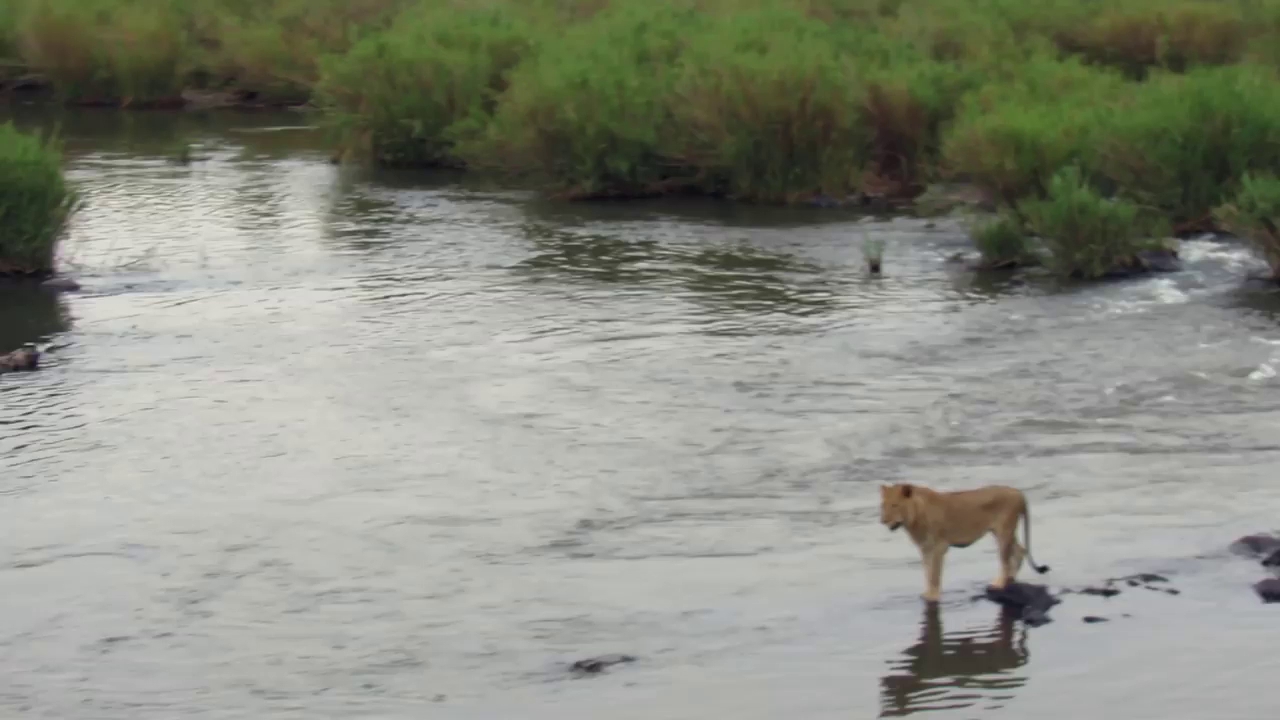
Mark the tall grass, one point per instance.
(1182, 142)
(106, 51)
(590, 113)
(1254, 213)
(1087, 235)
(1162, 107)
(406, 95)
(35, 202)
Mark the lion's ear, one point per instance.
(906, 490)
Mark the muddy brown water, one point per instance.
(317, 443)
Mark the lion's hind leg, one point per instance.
(1010, 557)
(1015, 562)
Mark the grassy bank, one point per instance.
(1150, 113)
(35, 203)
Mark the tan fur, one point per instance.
(20, 359)
(938, 521)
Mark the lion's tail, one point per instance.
(1026, 518)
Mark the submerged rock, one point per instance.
(1268, 590)
(1140, 579)
(1147, 261)
(1031, 602)
(1100, 591)
(597, 664)
(1094, 619)
(60, 284)
(1257, 545)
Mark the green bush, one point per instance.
(1176, 36)
(406, 95)
(35, 202)
(106, 51)
(1253, 214)
(1013, 135)
(1085, 234)
(1002, 241)
(276, 48)
(590, 114)
(1181, 143)
(765, 107)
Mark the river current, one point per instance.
(314, 442)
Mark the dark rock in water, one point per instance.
(1031, 601)
(1272, 560)
(1094, 619)
(1268, 590)
(1101, 591)
(1146, 261)
(1142, 578)
(1256, 545)
(1162, 260)
(600, 662)
(60, 284)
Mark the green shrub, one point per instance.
(590, 114)
(128, 51)
(275, 48)
(1182, 142)
(1002, 241)
(1085, 234)
(407, 94)
(35, 202)
(1253, 214)
(1177, 36)
(766, 108)
(1012, 136)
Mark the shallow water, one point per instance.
(442, 439)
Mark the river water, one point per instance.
(315, 443)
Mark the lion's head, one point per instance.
(896, 508)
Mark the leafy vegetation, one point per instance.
(1076, 116)
(1253, 213)
(35, 202)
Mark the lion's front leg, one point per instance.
(933, 558)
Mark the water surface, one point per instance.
(317, 443)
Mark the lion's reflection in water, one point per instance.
(959, 669)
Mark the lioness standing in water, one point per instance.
(938, 521)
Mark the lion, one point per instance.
(24, 358)
(938, 521)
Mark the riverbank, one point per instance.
(1144, 117)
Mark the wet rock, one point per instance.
(24, 358)
(597, 664)
(1258, 545)
(60, 284)
(1272, 560)
(1268, 590)
(1147, 261)
(1100, 591)
(1094, 619)
(1141, 578)
(1031, 602)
